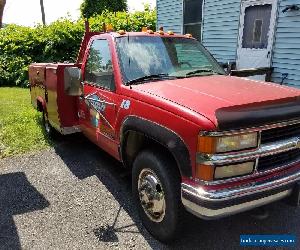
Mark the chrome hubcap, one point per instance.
(151, 195)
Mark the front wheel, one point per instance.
(156, 192)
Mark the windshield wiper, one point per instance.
(149, 77)
(197, 71)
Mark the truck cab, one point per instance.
(194, 138)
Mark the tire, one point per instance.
(47, 126)
(164, 225)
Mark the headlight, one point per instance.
(234, 170)
(210, 173)
(222, 144)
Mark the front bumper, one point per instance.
(217, 203)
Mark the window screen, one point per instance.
(99, 70)
(193, 17)
(257, 26)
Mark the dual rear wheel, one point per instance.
(50, 131)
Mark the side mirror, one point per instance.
(72, 81)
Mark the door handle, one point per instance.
(268, 55)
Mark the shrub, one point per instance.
(57, 42)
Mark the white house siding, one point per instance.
(220, 28)
(169, 15)
(286, 51)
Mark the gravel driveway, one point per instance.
(75, 196)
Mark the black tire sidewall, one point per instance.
(46, 123)
(167, 229)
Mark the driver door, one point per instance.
(98, 110)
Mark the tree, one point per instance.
(2, 5)
(90, 8)
(43, 12)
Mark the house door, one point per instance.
(256, 34)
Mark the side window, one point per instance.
(99, 70)
(190, 56)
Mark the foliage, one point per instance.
(20, 46)
(91, 8)
(57, 42)
(20, 128)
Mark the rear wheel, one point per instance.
(156, 192)
(47, 126)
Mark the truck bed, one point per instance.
(48, 94)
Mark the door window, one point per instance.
(99, 69)
(257, 26)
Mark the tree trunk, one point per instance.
(43, 12)
(2, 5)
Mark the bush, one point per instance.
(57, 42)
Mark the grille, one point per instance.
(277, 134)
(278, 160)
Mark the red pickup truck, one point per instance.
(193, 137)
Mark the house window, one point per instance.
(193, 18)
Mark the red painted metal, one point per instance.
(184, 106)
(204, 95)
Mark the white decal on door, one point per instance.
(125, 104)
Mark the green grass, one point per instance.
(21, 128)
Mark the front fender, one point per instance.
(166, 137)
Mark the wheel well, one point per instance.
(40, 107)
(134, 142)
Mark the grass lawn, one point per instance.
(20, 125)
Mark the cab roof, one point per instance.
(155, 34)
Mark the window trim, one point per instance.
(93, 84)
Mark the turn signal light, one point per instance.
(205, 172)
(206, 144)
(109, 28)
(122, 32)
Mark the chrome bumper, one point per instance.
(212, 204)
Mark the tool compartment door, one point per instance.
(67, 105)
(52, 93)
(37, 77)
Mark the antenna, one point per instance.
(103, 27)
(87, 26)
(129, 60)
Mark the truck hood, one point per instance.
(229, 102)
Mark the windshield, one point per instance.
(144, 56)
